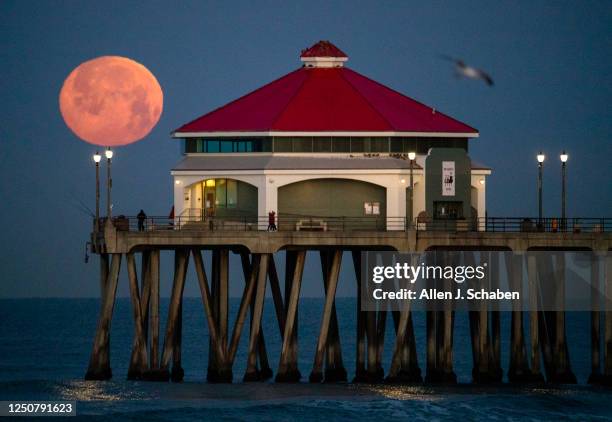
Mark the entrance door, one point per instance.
(210, 204)
(208, 207)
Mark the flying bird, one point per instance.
(466, 71)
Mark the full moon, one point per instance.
(111, 101)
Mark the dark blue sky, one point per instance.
(552, 63)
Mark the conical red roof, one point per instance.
(330, 99)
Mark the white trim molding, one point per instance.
(234, 134)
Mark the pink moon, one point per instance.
(111, 101)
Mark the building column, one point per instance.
(481, 204)
(267, 199)
(396, 205)
(419, 195)
(179, 195)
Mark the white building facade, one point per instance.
(325, 142)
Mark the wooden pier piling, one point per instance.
(288, 367)
(548, 342)
(99, 362)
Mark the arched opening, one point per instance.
(222, 198)
(333, 202)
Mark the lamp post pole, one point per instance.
(563, 158)
(540, 158)
(109, 181)
(97, 157)
(411, 156)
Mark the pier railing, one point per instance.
(365, 223)
(518, 224)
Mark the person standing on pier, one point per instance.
(271, 221)
(141, 220)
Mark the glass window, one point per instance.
(282, 145)
(358, 144)
(190, 145)
(302, 144)
(396, 145)
(220, 193)
(341, 144)
(226, 145)
(322, 144)
(232, 193)
(264, 145)
(242, 146)
(448, 210)
(212, 145)
(379, 144)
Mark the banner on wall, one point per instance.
(448, 178)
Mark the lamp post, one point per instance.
(109, 181)
(563, 158)
(97, 157)
(540, 158)
(411, 157)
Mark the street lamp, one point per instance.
(97, 157)
(563, 158)
(109, 182)
(411, 157)
(541, 157)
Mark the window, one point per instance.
(341, 144)
(396, 145)
(358, 144)
(448, 210)
(226, 146)
(264, 145)
(322, 144)
(283, 145)
(302, 144)
(221, 192)
(379, 144)
(232, 193)
(212, 146)
(190, 145)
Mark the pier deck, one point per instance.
(186, 240)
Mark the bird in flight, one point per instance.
(463, 70)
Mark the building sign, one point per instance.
(448, 178)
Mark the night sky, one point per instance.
(552, 64)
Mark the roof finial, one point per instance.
(323, 54)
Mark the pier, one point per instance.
(538, 352)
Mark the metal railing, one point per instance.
(366, 223)
(518, 224)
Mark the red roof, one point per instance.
(316, 99)
(323, 49)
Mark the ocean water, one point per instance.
(45, 346)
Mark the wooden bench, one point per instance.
(311, 225)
